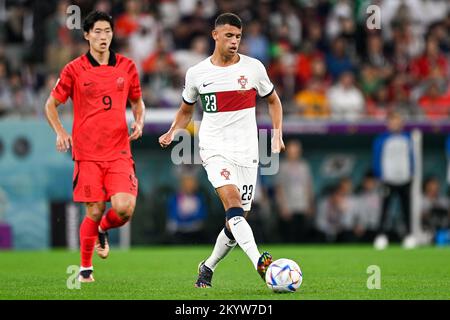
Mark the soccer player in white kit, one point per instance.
(227, 84)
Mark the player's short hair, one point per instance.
(228, 18)
(95, 16)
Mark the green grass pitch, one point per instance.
(168, 273)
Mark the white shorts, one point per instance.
(222, 172)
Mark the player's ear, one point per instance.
(215, 34)
(86, 35)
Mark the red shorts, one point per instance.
(95, 181)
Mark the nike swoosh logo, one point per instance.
(246, 203)
(207, 84)
(237, 222)
(87, 83)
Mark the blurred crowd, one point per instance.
(320, 54)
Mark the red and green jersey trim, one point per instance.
(226, 101)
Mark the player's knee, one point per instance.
(124, 209)
(95, 211)
(233, 203)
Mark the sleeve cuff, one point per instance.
(187, 102)
(271, 91)
(59, 97)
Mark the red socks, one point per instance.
(88, 236)
(111, 220)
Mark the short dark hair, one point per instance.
(95, 16)
(228, 18)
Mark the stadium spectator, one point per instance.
(435, 206)
(332, 215)
(295, 195)
(315, 36)
(351, 230)
(128, 22)
(258, 44)
(187, 213)
(368, 211)
(370, 80)
(338, 60)
(60, 38)
(309, 64)
(198, 51)
(286, 24)
(346, 100)
(379, 106)
(312, 102)
(399, 92)
(375, 55)
(6, 99)
(435, 104)
(432, 59)
(393, 163)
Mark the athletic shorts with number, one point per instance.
(95, 181)
(222, 172)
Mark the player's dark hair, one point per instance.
(95, 16)
(228, 18)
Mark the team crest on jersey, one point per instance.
(243, 81)
(226, 174)
(120, 83)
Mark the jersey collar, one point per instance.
(94, 63)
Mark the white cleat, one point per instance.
(381, 242)
(409, 242)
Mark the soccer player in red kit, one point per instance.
(99, 83)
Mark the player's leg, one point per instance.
(404, 191)
(122, 209)
(239, 227)
(88, 237)
(381, 240)
(88, 188)
(220, 172)
(121, 186)
(225, 242)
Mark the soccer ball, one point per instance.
(284, 275)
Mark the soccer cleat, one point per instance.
(86, 276)
(381, 242)
(204, 276)
(264, 262)
(102, 246)
(409, 242)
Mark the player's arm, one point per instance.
(63, 139)
(182, 119)
(138, 108)
(276, 114)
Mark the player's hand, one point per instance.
(277, 142)
(166, 139)
(63, 141)
(136, 131)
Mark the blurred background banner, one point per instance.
(338, 81)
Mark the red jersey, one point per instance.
(99, 94)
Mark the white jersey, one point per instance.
(228, 98)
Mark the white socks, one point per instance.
(221, 249)
(243, 234)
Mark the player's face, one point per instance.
(227, 39)
(100, 36)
